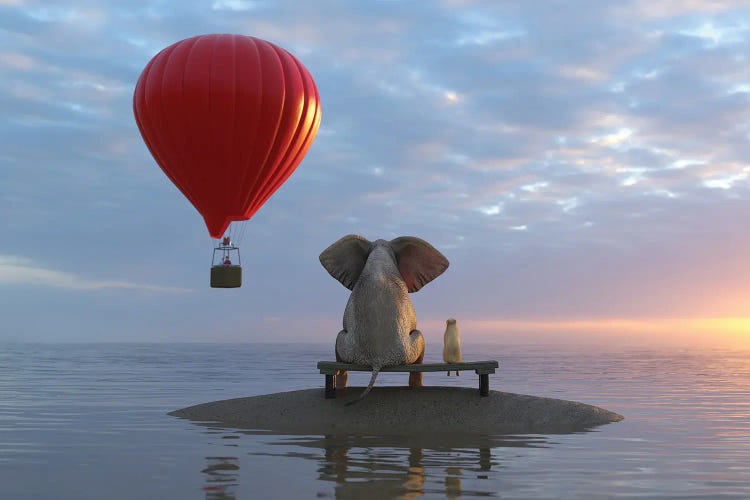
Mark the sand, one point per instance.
(401, 410)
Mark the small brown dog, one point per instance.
(451, 343)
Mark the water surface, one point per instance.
(89, 421)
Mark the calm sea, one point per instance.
(89, 421)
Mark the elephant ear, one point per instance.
(345, 259)
(418, 261)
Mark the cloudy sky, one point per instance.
(583, 165)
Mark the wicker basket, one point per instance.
(226, 276)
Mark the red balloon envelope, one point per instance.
(228, 118)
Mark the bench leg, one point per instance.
(484, 384)
(330, 387)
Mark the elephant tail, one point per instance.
(375, 371)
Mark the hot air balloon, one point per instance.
(228, 118)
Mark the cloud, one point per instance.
(675, 8)
(555, 154)
(234, 5)
(15, 270)
(16, 61)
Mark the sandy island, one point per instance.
(401, 410)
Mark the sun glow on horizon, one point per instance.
(703, 332)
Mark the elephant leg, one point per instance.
(342, 376)
(417, 342)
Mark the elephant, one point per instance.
(380, 326)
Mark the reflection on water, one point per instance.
(403, 467)
(370, 478)
(222, 475)
(89, 421)
(380, 467)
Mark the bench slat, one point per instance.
(481, 367)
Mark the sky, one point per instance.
(584, 166)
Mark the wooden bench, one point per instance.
(481, 368)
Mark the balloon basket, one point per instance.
(226, 266)
(226, 276)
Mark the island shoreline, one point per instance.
(401, 410)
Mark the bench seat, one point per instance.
(481, 368)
